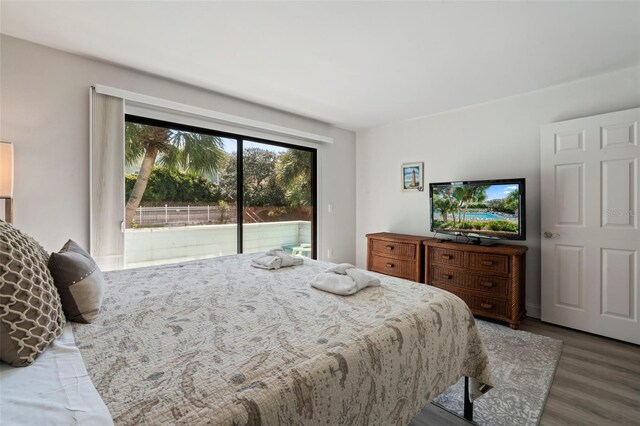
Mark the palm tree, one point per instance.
(459, 196)
(293, 174)
(442, 201)
(474, 194)
(173, 149)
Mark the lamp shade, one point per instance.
(6, 170)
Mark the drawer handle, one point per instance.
(487, 284)
(486, 306)
(447, 256)
(389, 265)
(390, 247)
(487, 262)
(447, 276)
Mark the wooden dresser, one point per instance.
(399, 255)
(489, 279)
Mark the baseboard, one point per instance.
(533, 311)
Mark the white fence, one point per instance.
(155, 246)
(184, 215)
(165, 216)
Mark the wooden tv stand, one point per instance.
(490, 279)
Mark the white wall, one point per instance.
(45, 113)
(499, 139)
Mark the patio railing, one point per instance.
(160, 245)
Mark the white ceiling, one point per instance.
(352, 64)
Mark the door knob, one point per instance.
(550, 235)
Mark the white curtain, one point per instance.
(107, 181)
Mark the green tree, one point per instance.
(260, 185)
(496, 204)
(463, 196)
(512, 202)
(293, 175)
(228, 182)
(173, 149)
(473, 194)
(166, 185)
(443, 202)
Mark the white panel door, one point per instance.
(590, 189)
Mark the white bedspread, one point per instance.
(218, 342)
(54, 390)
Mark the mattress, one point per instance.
(219, 342)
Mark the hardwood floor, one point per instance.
(597, 382)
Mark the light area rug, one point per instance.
(523, 366)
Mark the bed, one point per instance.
(219, 342)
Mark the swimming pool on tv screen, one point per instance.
(486, 216)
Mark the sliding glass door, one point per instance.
(192, 193)
(278, 198)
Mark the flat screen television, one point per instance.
(479, 209)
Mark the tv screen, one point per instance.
(490, 208)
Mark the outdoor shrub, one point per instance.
(502, 225)
(172, 185)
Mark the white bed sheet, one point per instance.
(54, 390)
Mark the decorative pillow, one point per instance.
(79, 281)
(31, 315)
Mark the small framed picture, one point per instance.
(412, 177)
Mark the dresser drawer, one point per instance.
(396, 267)
(490, 279)
(394, 248)
(487, 305)
(445, 276)
(494, 286)
(480, 305)
(489, 262)
(446, 257)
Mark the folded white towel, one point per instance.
(276, 259)
(267, 262)
(287, 259)
(344, 279)
(341, 268)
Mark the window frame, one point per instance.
(240, 139)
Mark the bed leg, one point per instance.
(468, 403)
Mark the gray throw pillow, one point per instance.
(31, 315)
(79, 281)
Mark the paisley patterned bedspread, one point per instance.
(219, 342)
